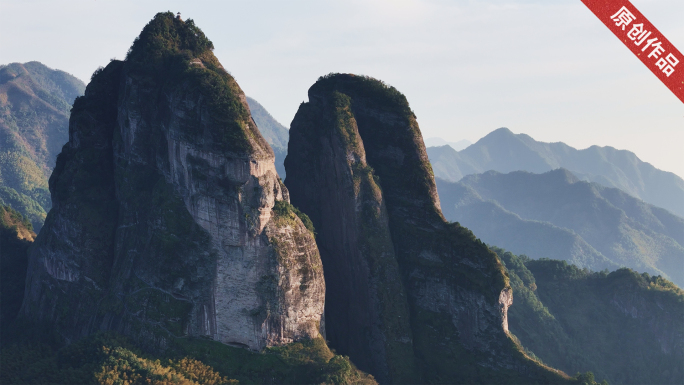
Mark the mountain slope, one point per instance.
(504, 151)
(35, 102)
(624, 326)
(169, 220)
(410, 298)
(498, 226)
(536, 215)
(275, 133)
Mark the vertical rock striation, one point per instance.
(367, 316)
(163, 220)
(410, 297)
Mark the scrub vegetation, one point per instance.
(575, 319)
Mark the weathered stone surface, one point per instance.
(163, 222)
(357, 166)
(367, 316)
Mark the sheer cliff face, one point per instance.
(410, 297)
(163, 220)
(367, 315)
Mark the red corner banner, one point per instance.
(644, 40)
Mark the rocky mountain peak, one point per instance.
(502, 131)
(390, 132)
(410, 298)
(177, 56)
(166, 34)
(169, 218)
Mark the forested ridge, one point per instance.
(624, 326)
(557, 214)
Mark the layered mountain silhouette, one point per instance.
(555, 215)
(35, 103)
(436, 141)
(504, 151)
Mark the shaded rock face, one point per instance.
(357, 166)
(367, 316)
(16, 236)
(163, 222)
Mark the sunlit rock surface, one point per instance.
(163, 220)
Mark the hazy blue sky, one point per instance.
(549, 68)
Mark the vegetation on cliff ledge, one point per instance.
(177, 56)
(285, 211)
(442, 265)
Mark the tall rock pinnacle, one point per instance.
(168, 217)
(410, 297)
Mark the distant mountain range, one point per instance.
(275, 133)
(35, 103)
(504, 151)
(555, 215)
(458, 146)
